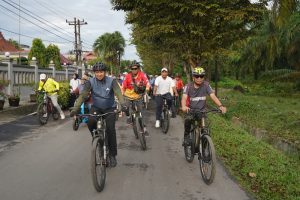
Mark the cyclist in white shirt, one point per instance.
(162, 86)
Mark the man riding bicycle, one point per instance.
(194, 97)
(103, 90)
(162, 86)
(51, 87)
(134, 86)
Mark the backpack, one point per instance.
(138, 88)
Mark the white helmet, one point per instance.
(42, 76)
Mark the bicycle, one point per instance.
(137, 122)
(100, 152)
(165, 117)
(145, 101)
(201, 144)
(45, 108)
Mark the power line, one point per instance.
(33, 37)
(37, 25)
(32, 15)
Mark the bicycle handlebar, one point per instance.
(214, 110)
(97, 115)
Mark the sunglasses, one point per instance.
(198, 76)
(134, 68)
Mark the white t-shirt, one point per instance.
(163, 85)
(74, 84)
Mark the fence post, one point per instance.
(52, 66)
(36, 70)
(10, 75)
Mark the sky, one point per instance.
(45, 16)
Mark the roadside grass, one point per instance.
(259, 168)
(279, 116)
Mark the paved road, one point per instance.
(52, 162)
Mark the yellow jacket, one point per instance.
(49, 86)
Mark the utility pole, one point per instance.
(78, 43)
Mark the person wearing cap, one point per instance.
(134, 86)
(162, 86)
(51, 87)
(103, 90)
(194, 97)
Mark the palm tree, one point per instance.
(110, 48)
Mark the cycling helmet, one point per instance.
(99, 67)
(198, 71)
(135, 63)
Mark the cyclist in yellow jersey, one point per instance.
(51, 87)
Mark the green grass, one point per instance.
(277, 176)
(280, 116)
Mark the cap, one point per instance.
(42, 76)
(164, 69)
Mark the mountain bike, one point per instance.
(201, 144)
(137, 122)
(165, 117)
(45, 109)
(100, 152)
(146, 101)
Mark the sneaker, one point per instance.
(62, 115)
(146, 133)
(45, 115)
(157, 124)
(113, 161)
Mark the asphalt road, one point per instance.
(53, 162)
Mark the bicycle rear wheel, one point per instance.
(140, 128)
(76, 124)
(42, 113)
(55, 114)
(134, 126)
(189, 150)
(165, 122)
(98, 166)
(207, 159)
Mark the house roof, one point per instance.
(89, 56)
(6, 46)
(63, 60)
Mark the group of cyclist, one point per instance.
(103, 89)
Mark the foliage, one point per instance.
(110, 47)
(3, 84)
(229, 83)
(64, 94)
(38, 51)
(24, 61)
(52, 53)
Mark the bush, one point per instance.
(229, 83)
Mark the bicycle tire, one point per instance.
(55, 114)
(98, 166)
(41, 111)
(207, 156)
(189, 150)
(134, 126)
(141, 133)
(75, 124)
(165, 122)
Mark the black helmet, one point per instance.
(135, 63)
(99, 67)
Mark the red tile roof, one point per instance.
(6, 46)
(63, 60)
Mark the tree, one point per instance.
(15, 43)
(38, 51)
(110, 47)
(52, 53)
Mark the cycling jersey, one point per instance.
(196, 97)
(128, 84)
(49, 86)
(179, 84)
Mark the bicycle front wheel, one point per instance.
(207, 159)
(141, 133)
(42, 113)
(189, 149)
(165, 122)
(135, 127)
(98, 166)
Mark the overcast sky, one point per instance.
(97, 13)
